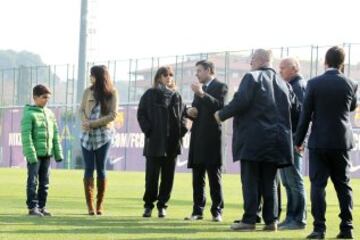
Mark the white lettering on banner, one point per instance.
(14, 139)
(126, 140)
(136, 140)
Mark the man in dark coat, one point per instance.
(262, 138)
(291, 176)
(205, 142)
(329, 99)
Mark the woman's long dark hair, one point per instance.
(103, 87)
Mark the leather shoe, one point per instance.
(147, 212)
(316, 235)
(162, 213)
(241, 226)
(271, 227)
(194, 218)
(345, 235)
(217, 218)
(35, 212)
(291, 226)
(45, 212)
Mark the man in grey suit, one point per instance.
(329, 99)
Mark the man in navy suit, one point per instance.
(329, 99)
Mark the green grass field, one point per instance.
(123, 209)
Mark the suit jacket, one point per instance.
(329, 99)
(262, 123)
(205, 141)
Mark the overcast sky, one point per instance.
(144, 28)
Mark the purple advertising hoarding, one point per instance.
(127, 145)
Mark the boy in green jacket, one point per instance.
(40, 140)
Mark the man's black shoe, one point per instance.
(345, 235)
(147, 212)
(162, 213)
(316, 235)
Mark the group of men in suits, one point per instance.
(271, 117)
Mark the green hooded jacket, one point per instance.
(39, 134)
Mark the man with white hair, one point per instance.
(291, 176)
(262, 138)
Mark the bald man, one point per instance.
(291, 176)
(262, 138)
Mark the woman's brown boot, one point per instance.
(89, 194)
(101, 187)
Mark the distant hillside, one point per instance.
(13, 59)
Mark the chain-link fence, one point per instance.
(132, 77)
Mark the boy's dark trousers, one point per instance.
(38, 179)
